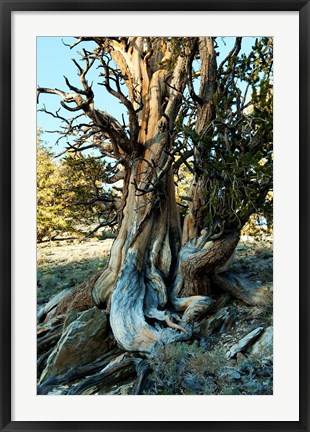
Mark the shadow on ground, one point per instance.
(54, 277)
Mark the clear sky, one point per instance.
(54, 61)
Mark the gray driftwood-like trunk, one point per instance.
(144, 255)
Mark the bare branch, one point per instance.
(109, 223)
(105, 122)
(51, 91)
(194, 96)
(133, 119)
(233, 52)
(183, 159)
(115, 178)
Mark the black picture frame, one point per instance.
(7, 7)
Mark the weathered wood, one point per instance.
(51, 304)
(222, 320)
(135, 283)
(81, 342)
(244, 342)
(143, 371)
(41, 362)
(264, 345)
(116, 371)
(199, 258)
(195, 220)
(220, 302)
(242, 289)
(77, 373)
(49, 340)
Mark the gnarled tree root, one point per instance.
(80, 298)
(49, 340)
(143, 371)
(77, 373)
(241, 288)
(120, 369)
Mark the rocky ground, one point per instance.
(232, 353)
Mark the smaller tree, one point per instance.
(52, 214)
(70, 196)
(92, 206)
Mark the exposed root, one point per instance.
(80, 298)
(41, 362)
(48, 309)
(172, 325)
(77, 373)
(241, 288)
(127, 315)
(49, 340)
(143, 371)
(196, 310)
(121, 368)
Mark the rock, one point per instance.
(81, 342)
(264, 345)
(244, 342)
(71, 316)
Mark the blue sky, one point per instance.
(54, 61)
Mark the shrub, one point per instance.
(189, 369)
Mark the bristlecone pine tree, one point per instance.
(183, 109)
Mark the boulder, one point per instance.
(82, 342)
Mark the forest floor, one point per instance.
(200, 367)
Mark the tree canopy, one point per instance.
(233, 152)
(71, 199)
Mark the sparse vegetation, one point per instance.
(194, 368)
(68, 264)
